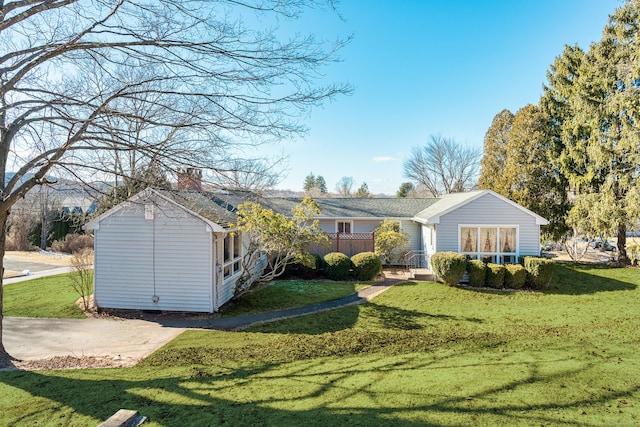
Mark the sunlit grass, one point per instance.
(419, 354)
(50, 296)
(290, 293)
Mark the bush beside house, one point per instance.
(477, 273)
(515, 276)
(337, 266)
(539, 271)
(495, 275)
(449, 266)
(366, 265)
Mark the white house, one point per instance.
(481, 224)
(174, 250)
(165, 250)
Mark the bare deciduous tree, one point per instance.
(344, 187)
(87, 86)
(443, 166)
(82, 275)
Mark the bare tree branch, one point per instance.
(443, 166)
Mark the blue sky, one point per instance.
(429, 67)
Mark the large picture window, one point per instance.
(496, 244)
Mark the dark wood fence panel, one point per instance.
(347, 243)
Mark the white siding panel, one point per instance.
(415, 238)
(327, 225)
(365, 225)
(168, 257)
(488, 209)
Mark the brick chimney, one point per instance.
(190, 179)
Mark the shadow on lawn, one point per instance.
(401, 319)
(381, 392)
(579, 279)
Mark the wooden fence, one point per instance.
(347, 243)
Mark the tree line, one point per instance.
(574, 158)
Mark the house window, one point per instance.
(232, 254)
(495, 244)
(344, 226)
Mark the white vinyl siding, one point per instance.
(168, 256)
(415, 237)
(489, 210)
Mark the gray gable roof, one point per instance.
(220, 207)
(228, 201)
(374, 208)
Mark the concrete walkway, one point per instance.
(52, 271)
(34, 339)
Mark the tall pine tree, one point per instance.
(495, 151)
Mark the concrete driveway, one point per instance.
(33, 339)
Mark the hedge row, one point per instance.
(536, 273)
(337, 266)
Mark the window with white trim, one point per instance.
(232, 252)
(495, 244)
(344, 226)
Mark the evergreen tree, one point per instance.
(599, 127)
(531, 177)
(405, 189)
(495, 147)
(309, 183)
(321, 184)
(363, 191)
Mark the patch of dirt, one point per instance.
(73, 362)
(8, 274)
(44, 257)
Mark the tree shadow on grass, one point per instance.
(398, 318)
(381, 392)
(580, 279)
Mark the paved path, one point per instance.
(33, 339)
(51, 271)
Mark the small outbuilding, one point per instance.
(166, 250)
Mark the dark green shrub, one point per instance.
(515, 276)
(477, 273)
(495, 275)
(449, 266)
(539, 271)
(337, 266)
(366, 265)
(319, 261)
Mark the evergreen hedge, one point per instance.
(366, 265)
(539, 271)
(515, 276)
(449, 266)
(495, 275)
(477, 273)
(337, 266)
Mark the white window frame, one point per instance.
(498, 255)
(345, 221)
(232, 265)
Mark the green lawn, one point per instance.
(419, 354)
(290, 293)
(45, 297)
